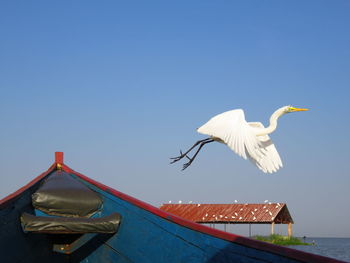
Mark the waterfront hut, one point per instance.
(266, 213)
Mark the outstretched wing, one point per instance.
(231, 128)
(270, 161)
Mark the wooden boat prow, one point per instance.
(145, 234)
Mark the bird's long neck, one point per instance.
(273, 123)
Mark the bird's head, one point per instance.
(289, 109)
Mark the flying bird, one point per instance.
(249, 140)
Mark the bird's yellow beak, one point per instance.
(292, 109)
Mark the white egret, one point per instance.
(247, 139)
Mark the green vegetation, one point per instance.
(281, 240)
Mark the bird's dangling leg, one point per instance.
(182, 155)
(194, 156)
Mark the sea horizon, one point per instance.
(333, 247)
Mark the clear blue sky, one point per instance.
(121, 86)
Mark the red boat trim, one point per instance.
(284, 251)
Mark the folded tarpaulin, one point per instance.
(62, 195)
(70, 225)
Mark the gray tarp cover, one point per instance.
(63, 195)
(61, 225)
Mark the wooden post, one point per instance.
(59, 157)
(272, 228)
(290, 231)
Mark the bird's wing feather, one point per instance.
(231, 128)
(270, 161)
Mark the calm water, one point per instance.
(338, 248)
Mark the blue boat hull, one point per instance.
(146, 235)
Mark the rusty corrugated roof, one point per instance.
(232, 213)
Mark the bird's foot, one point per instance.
(188, 163)
(178, 158)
